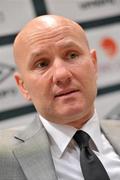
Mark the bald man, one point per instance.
(57, 72)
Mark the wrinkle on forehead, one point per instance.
(44, 27)
(51, 35)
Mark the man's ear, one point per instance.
(21, 85)
(94, 59)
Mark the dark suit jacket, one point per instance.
(25, 153)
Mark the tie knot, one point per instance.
(82, 138)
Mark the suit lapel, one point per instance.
(111, 129)
(34, 155)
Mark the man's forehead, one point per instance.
(65, 43)
(38, 36)
(48, 27)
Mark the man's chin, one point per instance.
(70, 114)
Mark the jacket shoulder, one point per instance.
(9, 166)
(111, 129)
(7, 136)
(110, 125)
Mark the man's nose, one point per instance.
(61, 74)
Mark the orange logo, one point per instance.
(109, 46)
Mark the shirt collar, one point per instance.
(61, 135)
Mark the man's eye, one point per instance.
(42, 64)
(72, 55)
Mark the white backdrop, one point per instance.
(101, 20)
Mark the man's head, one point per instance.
(56, 69)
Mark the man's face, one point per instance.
(59, 74)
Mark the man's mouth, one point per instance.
(65, 93)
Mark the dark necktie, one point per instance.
(91, 166)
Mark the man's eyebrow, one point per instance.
(38, 52)
(69, 44)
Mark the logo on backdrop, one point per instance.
(94, 3)
(5, 71)
(109, 46)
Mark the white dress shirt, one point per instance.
(66, 153)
